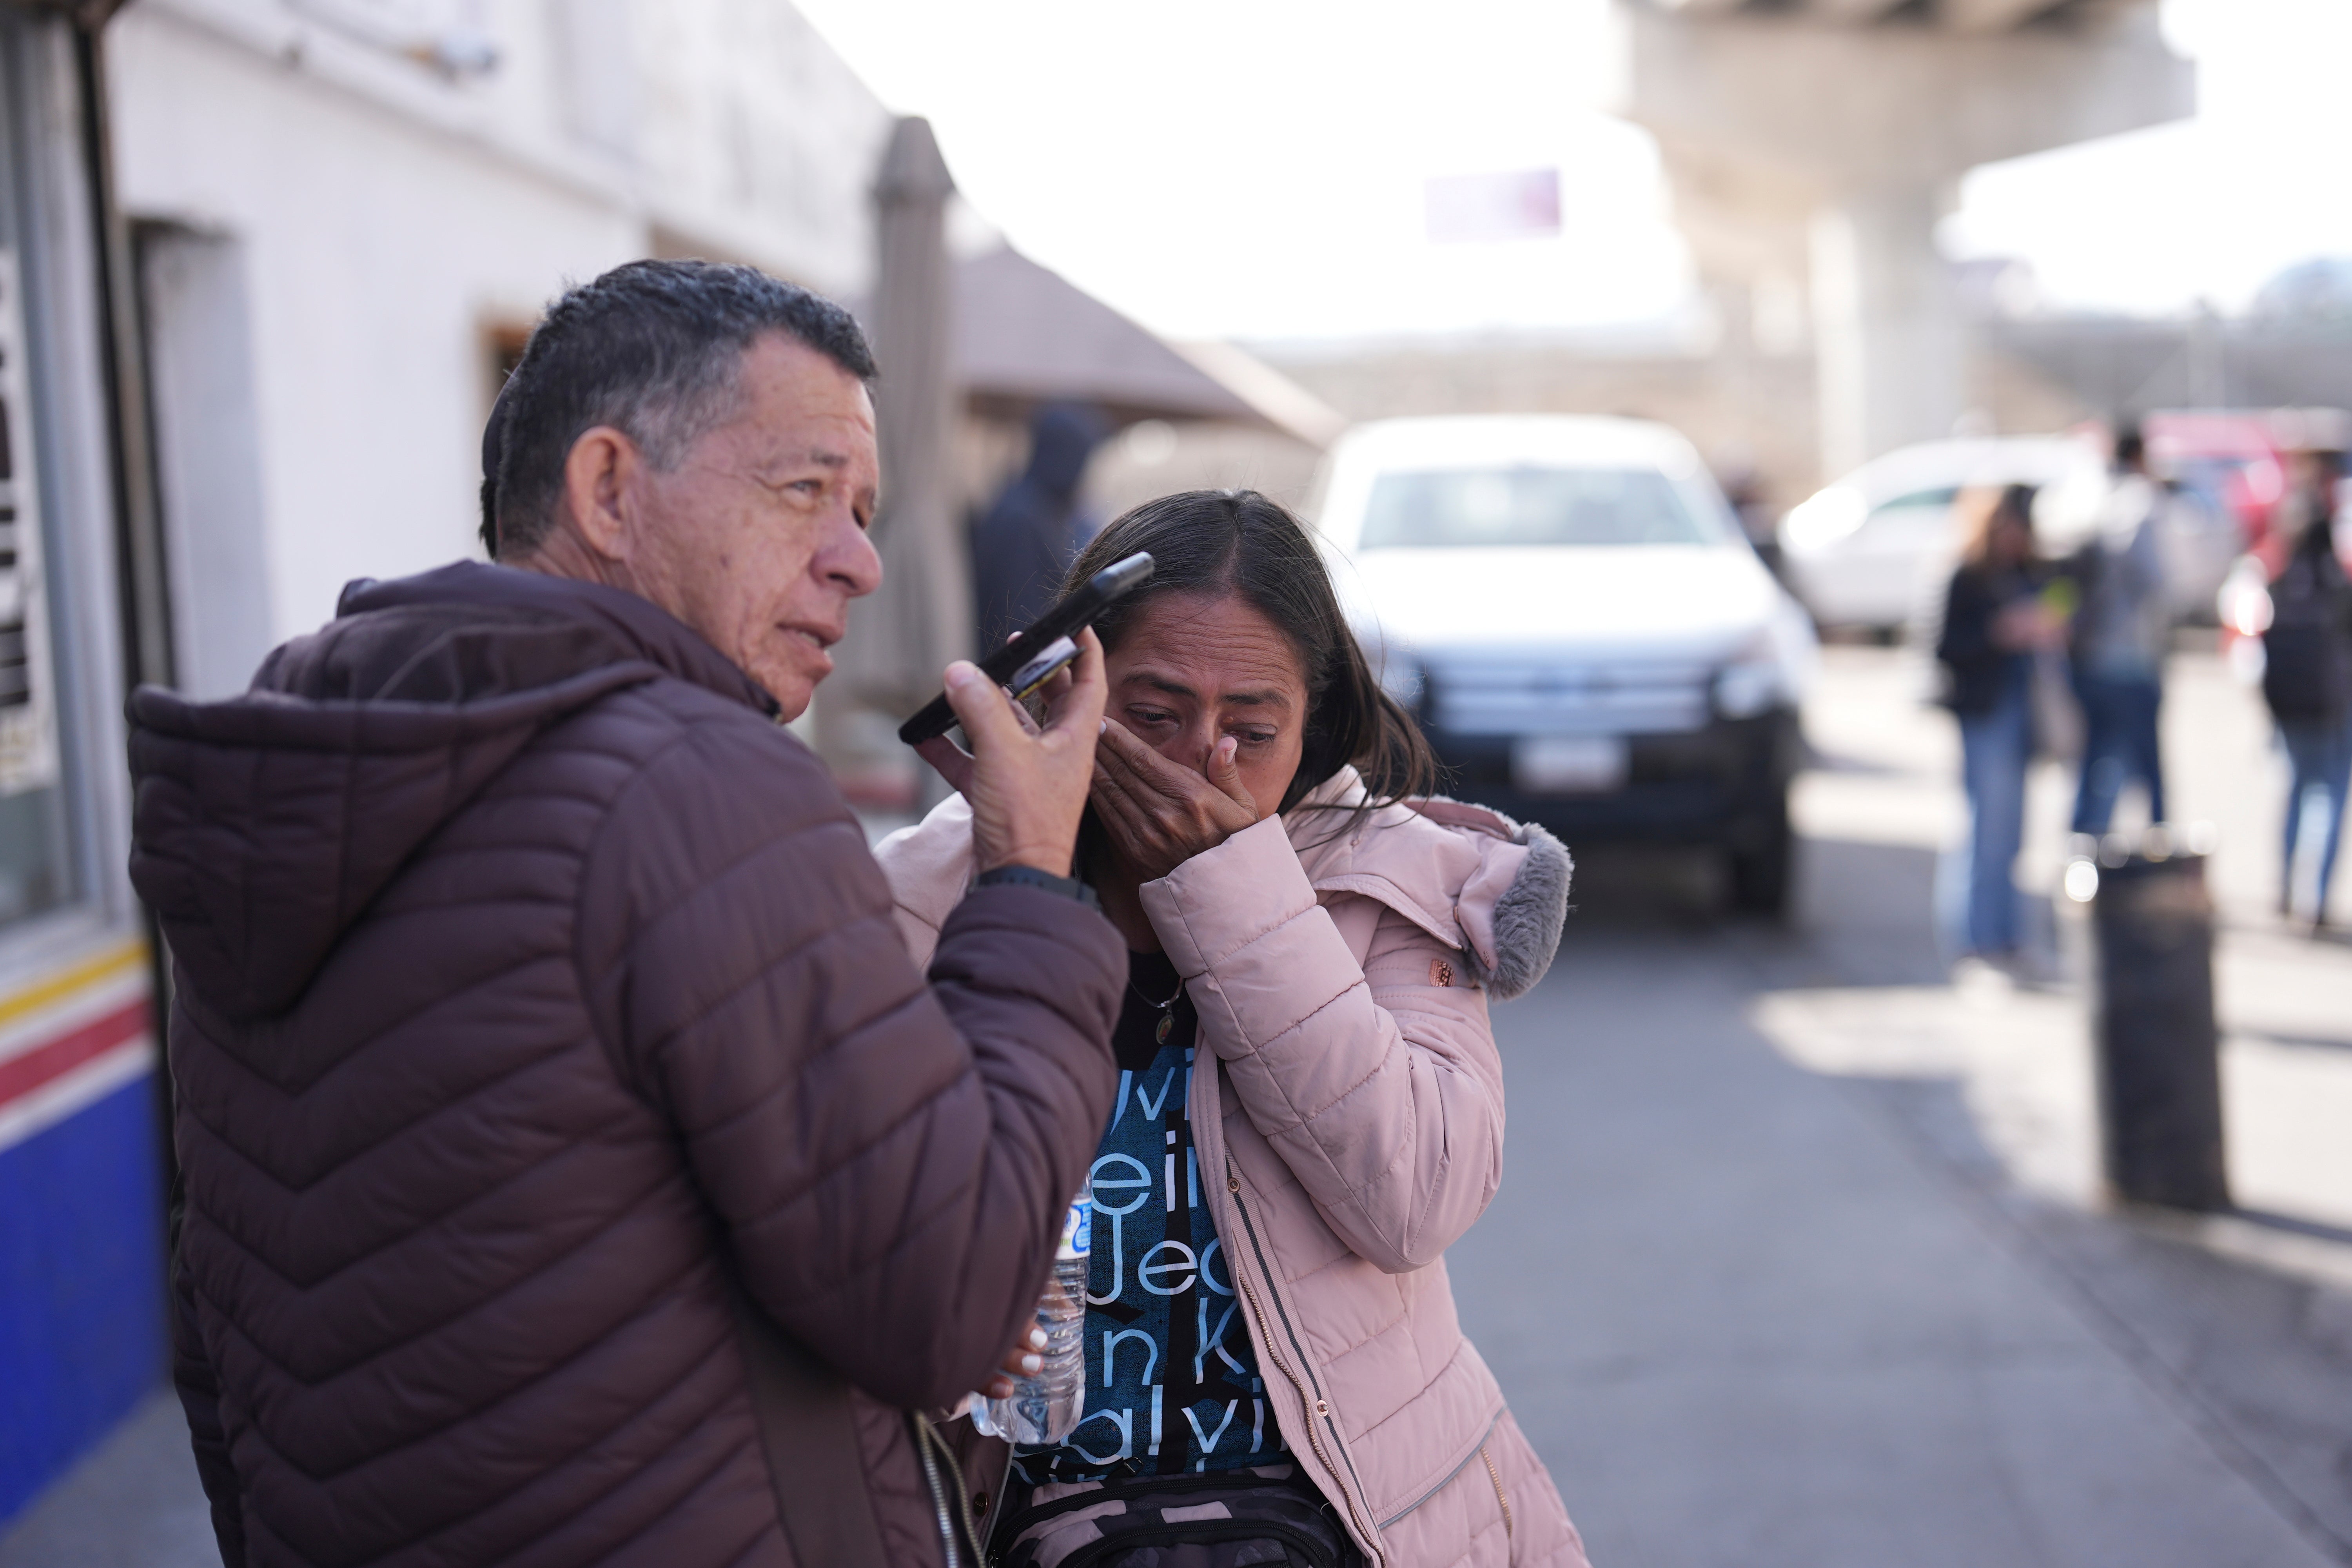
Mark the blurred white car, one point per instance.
(1870, 549)
(1569, 608)
(1874, 549)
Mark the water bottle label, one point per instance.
(1078, 1229)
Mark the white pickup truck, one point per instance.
(1569, 608)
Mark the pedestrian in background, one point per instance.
(2120, 632)
(2307, 674)
(1024, 542)
(1996, 622)
(1760, 519)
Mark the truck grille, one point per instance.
(1564, 697)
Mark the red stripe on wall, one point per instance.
(44, 1064)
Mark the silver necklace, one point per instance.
(1167, 1011)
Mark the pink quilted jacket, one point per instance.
(1342, 968)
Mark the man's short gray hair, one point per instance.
(653, 348)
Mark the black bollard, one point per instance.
(2159, 1048)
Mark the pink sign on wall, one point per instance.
(1518, 204)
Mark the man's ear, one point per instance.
(600, 476)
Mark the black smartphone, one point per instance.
(1029, 660)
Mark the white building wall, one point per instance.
(756, 137)
(387, 215)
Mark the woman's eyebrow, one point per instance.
(1257, 697)
(1167, 684)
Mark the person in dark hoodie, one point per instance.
(1024, 542)
(576, 1168)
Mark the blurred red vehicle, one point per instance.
(2231, 458)
(2239, 459)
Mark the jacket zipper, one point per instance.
(1496, 1476)
(1003, 1487)
(1448, 1478)
(1315, 1405)
(930, 1449)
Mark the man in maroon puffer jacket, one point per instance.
(576, 1168)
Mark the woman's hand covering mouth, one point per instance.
(1160, 813)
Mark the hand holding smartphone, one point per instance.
(1024, 781)
(1031, 659)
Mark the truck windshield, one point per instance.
(1523, 506)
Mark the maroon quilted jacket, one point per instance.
(577, 1170)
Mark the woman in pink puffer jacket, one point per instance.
(1300, 912)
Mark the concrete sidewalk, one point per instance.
(133, 1503)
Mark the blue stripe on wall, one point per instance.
(81, 1286)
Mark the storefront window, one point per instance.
(36, 849)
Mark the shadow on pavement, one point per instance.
(2308, 1042)
(2291, 1223)
(1861, 914)
(2257, 1360)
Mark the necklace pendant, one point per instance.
(1167, 1022)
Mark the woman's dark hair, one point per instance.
(1981, 510)
(1216, 542)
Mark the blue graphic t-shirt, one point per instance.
(1172, 1383)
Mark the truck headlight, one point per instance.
(1753, 683)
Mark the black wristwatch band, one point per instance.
(1030, 877)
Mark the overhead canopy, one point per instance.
(1024, 334)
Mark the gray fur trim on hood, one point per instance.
(1528, 917)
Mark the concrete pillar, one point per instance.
(922, 617)
(1886, 330)
(1850, 121)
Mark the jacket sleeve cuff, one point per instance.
(1222, 900)
(1044, 882)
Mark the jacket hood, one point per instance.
(1468, 875)
(263, 825)
(1062, 438)
(1471, 876)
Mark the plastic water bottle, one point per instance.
(1048, 1407)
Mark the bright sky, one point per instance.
(2209, 208)
(1254, 168)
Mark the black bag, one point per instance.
(2308, 651)
(1264, 1518)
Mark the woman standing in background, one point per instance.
(2307, 677)
(1995, 622)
